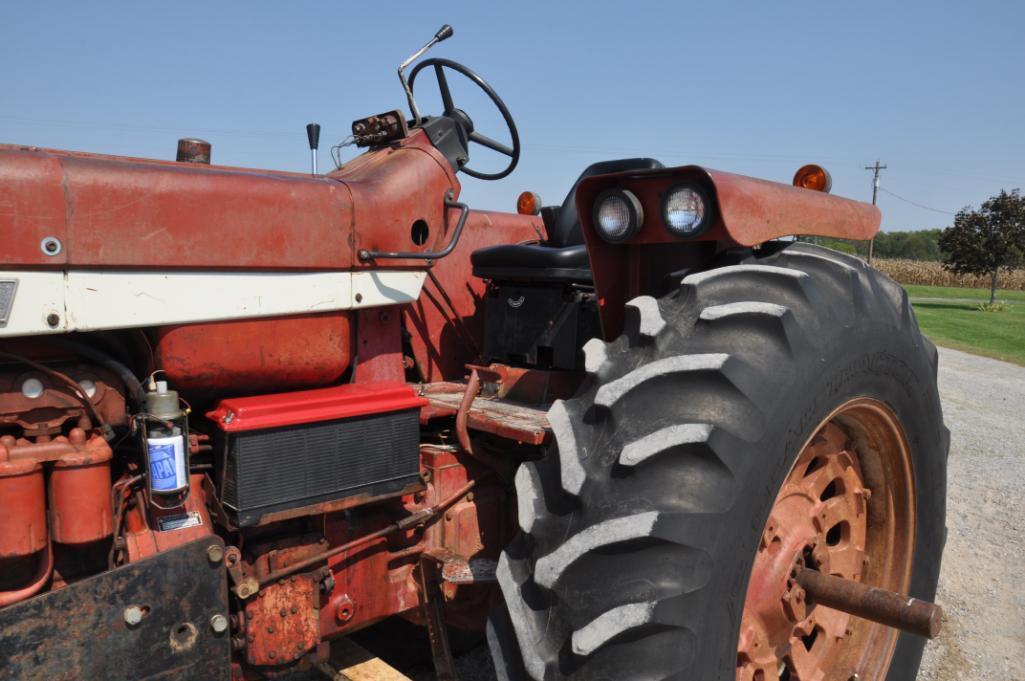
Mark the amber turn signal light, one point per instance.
(813, 177)
(529, 203)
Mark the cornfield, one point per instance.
(933, 274)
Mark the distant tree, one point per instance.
(987, 240)
(918, 245)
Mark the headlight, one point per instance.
(685, 210)
(617, 215)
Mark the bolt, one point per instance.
(53, 319)
(298, 646)
(215, 553)
(296, 656)
(283, 612)
(219, 624)
(270, 629)
(359, 296)
(344, 609)
(448, 516)
(294, 609)
(51, 245)
(272, 654)
(133, 615)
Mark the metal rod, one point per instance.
(872, 603)
(462, 431)
(421, 517)
(464, 210)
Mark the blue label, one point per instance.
(163, 467)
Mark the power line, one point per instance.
(918, 205)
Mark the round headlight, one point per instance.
(685, 210)
(617, 214)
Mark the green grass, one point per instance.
(980, 294)
(949, 321)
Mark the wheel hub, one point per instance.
(820, 521)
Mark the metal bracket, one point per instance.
(163, 617)
(429, 577)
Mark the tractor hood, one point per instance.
(90, 242)
(69, 209)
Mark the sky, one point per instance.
(934, 89)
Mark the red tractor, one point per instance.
(640, 435)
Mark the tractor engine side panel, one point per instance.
(446, 324)
(251, 356)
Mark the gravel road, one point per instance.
(981, 585)
(981, 582)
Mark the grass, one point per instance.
(980, 294)
(951, 317)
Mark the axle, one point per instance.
(871, 603)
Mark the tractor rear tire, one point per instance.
(642, 525)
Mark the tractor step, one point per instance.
(503, 418)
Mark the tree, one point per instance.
(987, 240)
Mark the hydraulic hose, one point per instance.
(132, 384)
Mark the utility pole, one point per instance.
(875, 190)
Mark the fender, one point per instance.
(746, 211)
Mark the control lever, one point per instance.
(313, 135)
(444, 33)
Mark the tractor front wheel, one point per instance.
(777, 412)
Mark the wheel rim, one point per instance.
(846, 508)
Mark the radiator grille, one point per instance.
(290, 467)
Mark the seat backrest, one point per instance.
(566, 231)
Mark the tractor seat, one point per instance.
(514, 262)
(563, 257)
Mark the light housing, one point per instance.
(686, 210)
(528, 203)
(617, 215)
(813, 177)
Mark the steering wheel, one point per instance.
(465, 122)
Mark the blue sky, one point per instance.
(933, 89)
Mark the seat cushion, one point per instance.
(532, 262)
